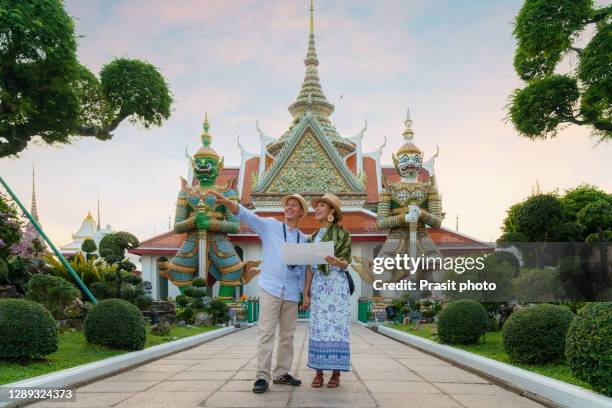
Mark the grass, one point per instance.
(73, 351)
(491, 346)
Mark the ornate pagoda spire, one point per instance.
(311, 94)
(34, 209)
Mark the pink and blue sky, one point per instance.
(449, 61)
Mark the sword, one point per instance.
(203, 245)
(412, 228)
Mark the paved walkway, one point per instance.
(220, 373)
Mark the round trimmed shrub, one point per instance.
(462, 322)
(115, 323)
(27, 330)
(589, 341)
(536, 334)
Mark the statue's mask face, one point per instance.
(206, 169)
(409, 164)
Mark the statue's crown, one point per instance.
(409, 146)
(206, 150)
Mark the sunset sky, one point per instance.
(449, 61)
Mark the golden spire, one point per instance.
(311, 94)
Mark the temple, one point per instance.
(89, 229)
(311, 158)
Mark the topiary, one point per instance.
(218, 311)
(182, 300)
(54, 293)
(115, 323)
(462, 322)
(28, 330)
(198, 304)
(589, 341)
(187, 314)
(536, 334)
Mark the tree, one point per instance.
(10, 227)
(112, 249)
(578, 197)
(45, 92)
(89, 247)
(596, 217)
(545, 31)
(539, 217)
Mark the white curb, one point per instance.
(556, 391)
(87, 372)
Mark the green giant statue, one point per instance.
(207, 251)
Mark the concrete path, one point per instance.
(220, 373)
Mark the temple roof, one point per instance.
(89, 229)
(312, 98)
(361, 224)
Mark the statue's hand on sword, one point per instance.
(413, 214)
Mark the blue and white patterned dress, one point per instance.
(330, 318)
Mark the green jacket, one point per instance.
(342, 244)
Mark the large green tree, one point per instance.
(546, 31)
(549, 218)
(45, 92)
(578, 197)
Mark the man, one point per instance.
(280, 286)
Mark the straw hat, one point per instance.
(300, 199)
(332, 200)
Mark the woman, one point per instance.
(326, 292)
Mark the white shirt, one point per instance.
(276, 278)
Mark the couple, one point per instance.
(325, 288)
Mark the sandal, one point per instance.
(334, 381)
(317, 381)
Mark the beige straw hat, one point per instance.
(300, 199)
(332, 200)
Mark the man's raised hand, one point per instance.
(223, 200)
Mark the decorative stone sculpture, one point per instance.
(405, 209)
(207, 251)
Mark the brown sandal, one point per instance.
(317, 381)
(334, 381)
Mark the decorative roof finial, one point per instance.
(311, 83)
(311, 17)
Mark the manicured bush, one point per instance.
(218, 311)
(462, 322)
(54, 293)
(187, 314)
(589, 345)
(27, 330)
(182, 300)
(115, 323)
(536, 334)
